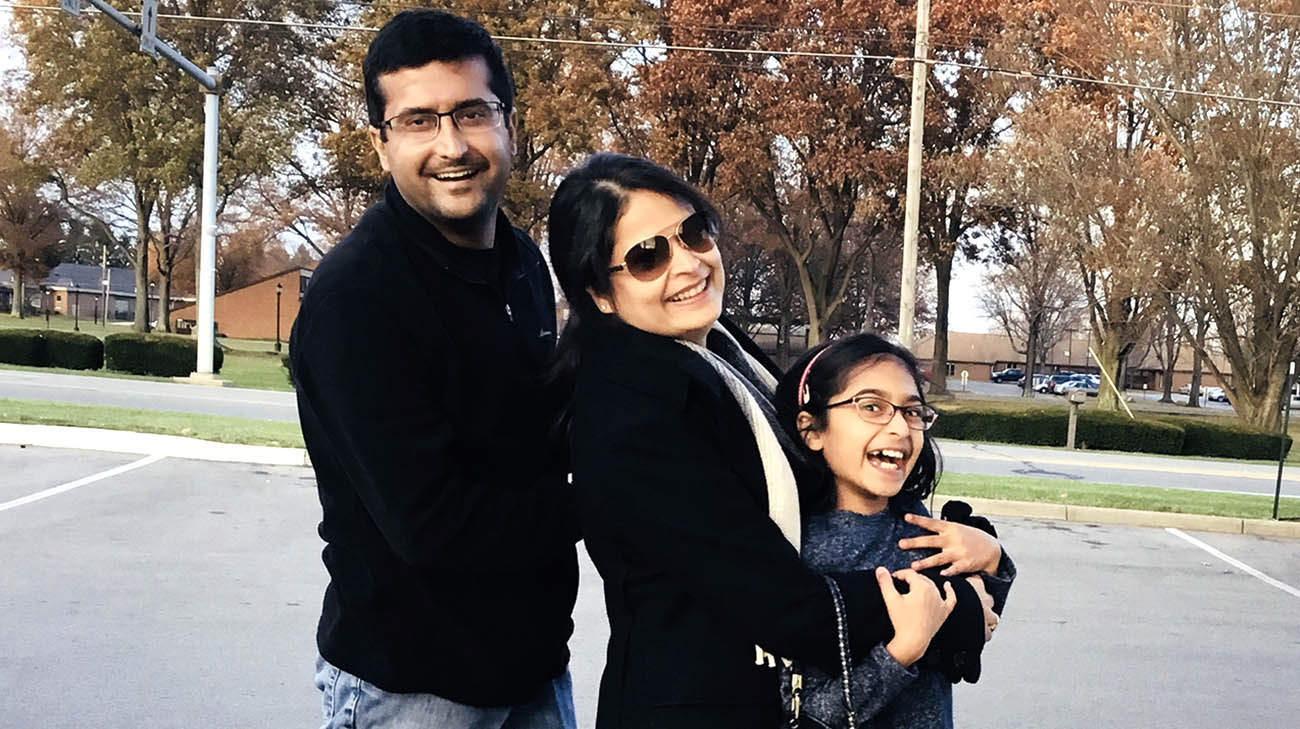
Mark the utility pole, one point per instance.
(911, 220)
(210, 80)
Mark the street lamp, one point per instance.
(279, 289)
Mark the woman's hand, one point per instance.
(916, 616)
(963, 548)
(990, 617)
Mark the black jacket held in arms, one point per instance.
(448, 521)
(672, 501)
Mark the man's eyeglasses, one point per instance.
(478, 116)
(879, 411)
(648, 259)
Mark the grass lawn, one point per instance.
(207, 427)
(261, 371)
(1145, 498)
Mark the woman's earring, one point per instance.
(604, 308)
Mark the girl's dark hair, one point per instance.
(584, 210)
(414, 38)
(827, 377)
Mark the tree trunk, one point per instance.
(143, 211)
(1194, 394)
(783, 338)
(1262, 409)
(1031, 347)
(1168, 377)
(943, 283)
(1108, 361)
(16, 304)
(164, 303)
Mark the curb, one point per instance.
(148, 444)
(1129, 517)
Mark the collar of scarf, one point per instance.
(753, 387)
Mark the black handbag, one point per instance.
(797, 719)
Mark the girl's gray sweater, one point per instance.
(886, 695)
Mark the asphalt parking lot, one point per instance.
(150, 593)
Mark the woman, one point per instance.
(688, 505)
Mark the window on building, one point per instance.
(952, 369)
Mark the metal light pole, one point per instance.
(912, 214)
(1281, 439)
(211, 83)
(279, 289)
(76, 311)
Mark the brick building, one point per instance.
(249, 312)
(981, 355)
(83, 291)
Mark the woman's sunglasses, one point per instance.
(648, 259)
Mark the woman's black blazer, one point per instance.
(672, 502)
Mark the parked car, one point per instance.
(1216, 394)
(1010, 374)
(1088, 384)
(1037, 384)
(1049, 384)
(1063, 386)
(1185, 389)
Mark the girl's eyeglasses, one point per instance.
(879, 411)
(648, 259)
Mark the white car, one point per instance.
(1215, 394)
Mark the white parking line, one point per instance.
(80, 482)
(1235, 562)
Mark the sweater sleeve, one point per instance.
(376, 414)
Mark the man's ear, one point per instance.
(811, 436)
(381, 147)
(603, 302)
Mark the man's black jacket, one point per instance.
(448, 522)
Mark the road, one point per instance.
(185, 594)
(996, 459)
(175, 397)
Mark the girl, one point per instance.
(856, 409)
(686, 499)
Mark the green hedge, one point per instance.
(161, 355)
(73, 351)
(22, 347)
(1227, 439)
(1111, 431)
(41, 348)
(1097, 430)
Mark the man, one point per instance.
(418, 356)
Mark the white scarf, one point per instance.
(782, 491)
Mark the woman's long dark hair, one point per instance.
(827, 377)
(584, 210)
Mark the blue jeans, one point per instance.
(349, 702)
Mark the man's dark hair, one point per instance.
(414, 38)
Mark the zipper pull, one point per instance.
(510, 314)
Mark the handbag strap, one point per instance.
(846, 658)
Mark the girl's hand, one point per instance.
(916, 616)
(990, 617)
(963, 548)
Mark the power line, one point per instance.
(1186, 6)
(1018, 73)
